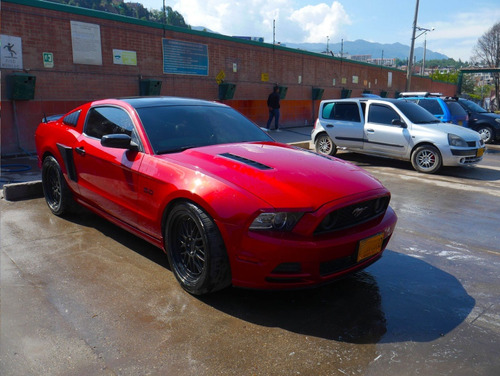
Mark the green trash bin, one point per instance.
(345, 93)
(21, 86)
(282, 91)
(317, 93)
(226, 90)
(149, 87)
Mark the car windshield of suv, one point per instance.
(472, 107)
(415, 113)
(172, 129)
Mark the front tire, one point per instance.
(486, 134)
(55, 189)
(426, 159)
(195, 250)
(325, 145)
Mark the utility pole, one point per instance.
(410, 60)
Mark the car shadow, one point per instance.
(400, 298)
(478, 172)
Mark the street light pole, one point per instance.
(410, 60)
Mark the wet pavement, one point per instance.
(80, 296)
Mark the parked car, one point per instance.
(445, 109)
(397, 129)
(487, 124)
(226, 202)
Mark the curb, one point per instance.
(23, 191)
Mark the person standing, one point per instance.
(273, 103)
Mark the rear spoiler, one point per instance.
(46, 118)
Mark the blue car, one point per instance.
(448, 110)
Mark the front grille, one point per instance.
(471, 143)
(353, 215)
(334, 266)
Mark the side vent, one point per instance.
(246, 161)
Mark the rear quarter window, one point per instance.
(432, 106)
(341, 111)
(456, 109)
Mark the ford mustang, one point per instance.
(228, 204)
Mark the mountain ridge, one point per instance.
(376, 50)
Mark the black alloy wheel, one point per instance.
(196, 250)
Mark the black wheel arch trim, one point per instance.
(68, 160)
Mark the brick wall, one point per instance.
(45, 27)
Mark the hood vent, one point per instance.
(246, 161)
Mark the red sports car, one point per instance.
(226, 202)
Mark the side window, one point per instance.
(327, 112)
(109, 120)
(347, 112)
(341, 111)
(382, 114)
(456, 109)
(432, 106)
(72, 119)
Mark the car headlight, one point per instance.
(278, 221)
(497, 120)
(455, 140)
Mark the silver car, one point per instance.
(396, 129)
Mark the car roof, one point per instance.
(142, 102)
(391, 100)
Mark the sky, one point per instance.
(457, 24)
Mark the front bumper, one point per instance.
(270, 261)
(463, 157)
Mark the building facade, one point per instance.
(55, 57)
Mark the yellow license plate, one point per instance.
(370, 246)
(480, 152)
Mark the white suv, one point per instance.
(396, 129)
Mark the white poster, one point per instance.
(11, 52)
(122, 57)
(86, 42)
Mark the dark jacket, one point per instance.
(273, 101)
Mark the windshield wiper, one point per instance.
(176, 150)
(427, 122)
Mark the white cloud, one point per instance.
(320, 20)
(311, 23)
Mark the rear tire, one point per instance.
(57, 194)
(325, 145)
(195, 250)
(426, 159)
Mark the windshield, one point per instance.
(415, 113)
(471, 106)
(176, 128)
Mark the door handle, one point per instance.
(370, 131)
(80, 150)
(329, 125)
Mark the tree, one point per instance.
(487, 51)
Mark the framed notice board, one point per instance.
(180, 57)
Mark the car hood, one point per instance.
(486, 115)
(281, 175)
(465, 133)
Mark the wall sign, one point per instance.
(122, 57)
(86, 43)
(48, 59)
(180, 57)
(11, 52)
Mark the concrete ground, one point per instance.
(80, 296)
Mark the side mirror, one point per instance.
(119, 141)
(399, 122)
